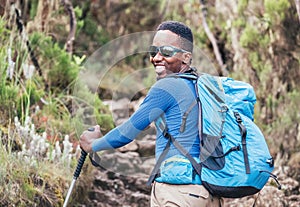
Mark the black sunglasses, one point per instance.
(166, 51)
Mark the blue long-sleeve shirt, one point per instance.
(170, 97)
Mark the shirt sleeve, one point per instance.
(155, 103)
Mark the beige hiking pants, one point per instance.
(166, 195)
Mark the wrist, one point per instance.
(101, 144)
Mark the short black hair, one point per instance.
(181, 30)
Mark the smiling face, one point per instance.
(164, 65)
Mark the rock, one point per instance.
(122, 163)
(131, 147)
(269, 196)
(128, 169)
(146, 148)
(113, 190)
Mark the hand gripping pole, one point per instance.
(77, 172)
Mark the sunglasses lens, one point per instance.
(167, 51)
(153, 50)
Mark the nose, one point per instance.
(158, 57)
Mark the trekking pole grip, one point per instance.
(81, 159)
(80, 163)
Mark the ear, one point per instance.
(187, 58)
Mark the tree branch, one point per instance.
(68, 6)
(297, 2)
(21, 29)
(213, 40)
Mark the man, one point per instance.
(177, 184)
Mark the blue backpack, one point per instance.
(234, 157)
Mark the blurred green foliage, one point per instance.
(254, 39)
(275, 10)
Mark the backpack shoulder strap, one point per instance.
(190, 76)
(161, 125)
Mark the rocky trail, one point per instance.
(123, 184)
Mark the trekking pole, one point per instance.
(77, 172)
(76, 175)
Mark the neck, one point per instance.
(184, 69)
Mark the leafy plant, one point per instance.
(59, 69)
(40, 139)
(275, 10)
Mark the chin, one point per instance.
(159, 77)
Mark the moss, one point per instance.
(276, 9)
(249, 36)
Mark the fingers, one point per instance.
(85, 143)
(88, 136)
(97, 128)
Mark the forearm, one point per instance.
(152, 107)
(117, 137)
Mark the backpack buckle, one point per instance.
(270, 161)
(237, 117)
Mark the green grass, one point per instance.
(27, 182)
